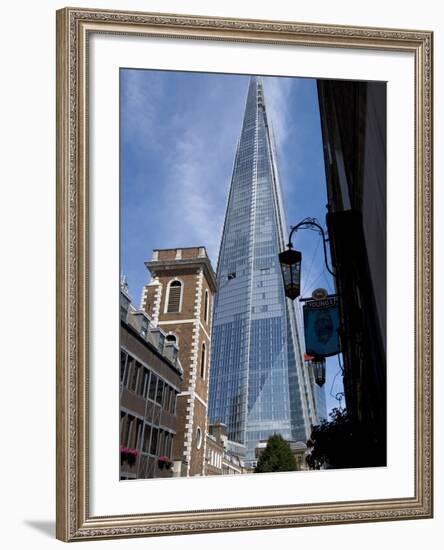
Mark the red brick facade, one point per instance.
(184, 313)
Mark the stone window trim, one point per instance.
(206, 305)
(198, 437)
(167, 295)
(203, 359)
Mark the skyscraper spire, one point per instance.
(258, 383)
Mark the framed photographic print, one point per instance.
(219, 367)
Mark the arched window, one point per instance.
(202, 361)
(198, 437)
(171, 338)
(206, 307)
(174, 297)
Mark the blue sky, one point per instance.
(178, 136)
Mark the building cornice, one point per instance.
(154, 266)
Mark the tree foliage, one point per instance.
(276, 457)
(341, 443)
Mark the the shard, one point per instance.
(259, 384)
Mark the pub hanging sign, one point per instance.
(321, 326)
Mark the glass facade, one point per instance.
(321, 403)
(258, 383)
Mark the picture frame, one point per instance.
(75, 519)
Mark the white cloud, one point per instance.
(141, 96)
(202, 158)
(200, 169)
(277, 95)
(194, 144)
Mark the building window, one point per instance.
(145, 383)
(202, 361)
(160, 342)
(206, 307)
(159, 391)
(172, 407)
(153, 382)
(122, 364)
(166, 397)
(154, 437)
(128, 371)
(123, 428)
(174, 297)
(132, 373)
(160, 446)
(133, 380)
(140, 381)
(136, 439)
(168, 445)
(126, 430)
(198, 438)
(144, 327)
(146, 438)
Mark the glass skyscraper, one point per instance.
(258, 383)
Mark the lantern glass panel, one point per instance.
(319, 371)
(296, 272)
(287, 274)
(290, 261)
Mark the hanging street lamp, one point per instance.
(318, 365)
(324, 342)
(290, 260)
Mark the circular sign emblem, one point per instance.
(319, 294)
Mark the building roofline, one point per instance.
(155, 265)
(178, 248)
(151, 347)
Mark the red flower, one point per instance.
(164, 461)
(128, 455)
(128, 451)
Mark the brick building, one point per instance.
(179, 299)
(223, 457)
(150, 379)
(214, 454)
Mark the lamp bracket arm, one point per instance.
(311, 222)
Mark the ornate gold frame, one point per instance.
(73, 519)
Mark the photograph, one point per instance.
(224, 215)
(244, 274)
(253, 274)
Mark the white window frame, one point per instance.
(199, 437)
(206, 305)
(203, 363)
(167, 295)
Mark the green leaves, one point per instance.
(277, 456)
(342, 443)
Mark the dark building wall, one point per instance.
(353, 119)
(374, 204)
